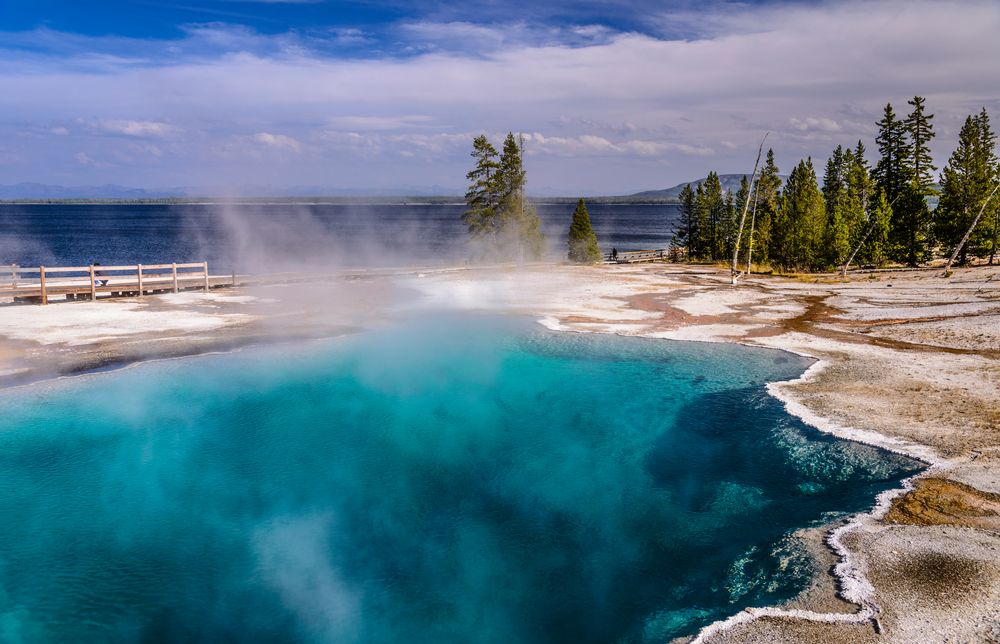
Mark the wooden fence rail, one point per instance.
(633, 256)
(24, 283)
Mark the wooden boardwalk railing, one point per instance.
(634, 256)
(86, 282)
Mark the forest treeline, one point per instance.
(868, 215)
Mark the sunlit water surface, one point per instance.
(449, 479)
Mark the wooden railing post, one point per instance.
(139, 274)
(93, 283)
(41, 278)
(205, 266)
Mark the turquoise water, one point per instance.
(447, 479)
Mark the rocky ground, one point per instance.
(908, 360)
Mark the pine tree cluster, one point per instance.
(863, 215)
(501, 221)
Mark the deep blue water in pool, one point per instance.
(445, 479)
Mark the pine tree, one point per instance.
(686, 230)
(799, 233)
(727, 226)
(835, 177)
(965, 182)
(702, 248)
(836, 239)
(859, 156)
(893, 170)
(510, 175)
(522, 236)
(768, 203)
(482, 197)
(876, 244)
(715, 213)
(921, 131)
(895, 174)
(498, 215)
(988, 239)
(859, 197)
(582, 241)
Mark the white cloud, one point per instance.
(811, 124)
(136, 128)
(279, 141)
(814, 75)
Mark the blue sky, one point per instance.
(613, 97)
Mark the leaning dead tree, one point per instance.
(965, 238)
(743, 218)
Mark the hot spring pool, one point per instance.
(446, 479)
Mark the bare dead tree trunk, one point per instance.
(753, 220)
(746, 206)
(968, 233)
(996, 234)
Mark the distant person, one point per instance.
(100, 274)
(614, 254)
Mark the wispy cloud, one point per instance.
(137, 128)
(278, 141)
(604, 110)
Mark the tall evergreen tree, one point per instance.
(877, 241)
(921, 131)
(522, 228)
(799, 233)
(510, 175)
(836, 239)
(965, 183)
(988, 240)
(835, 177)
(728, 225)
(686, 230)
(768, 203)
(715, 213)
(859, 156)
(582, 241)
(895, 174)
(859, 197)
(702, 248)
(893, 170)
(482, 197)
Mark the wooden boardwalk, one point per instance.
(637, 256)
(42, 283)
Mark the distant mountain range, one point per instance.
(730, 182)
(108, 191)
